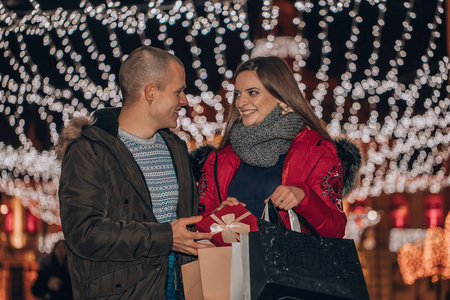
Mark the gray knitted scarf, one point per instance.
(261, 145)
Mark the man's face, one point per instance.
(169, 101)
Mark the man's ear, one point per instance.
(150, 92)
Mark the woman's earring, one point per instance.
(286, 109)
(239, 118)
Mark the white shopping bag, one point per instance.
(236, 280)
(245, 267)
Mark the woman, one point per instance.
(53, 280)
(274, 146)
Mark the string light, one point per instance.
(322, 88)
(47, 243)
(429, 257)
(401, 236)
(359, 220)
(270, 15)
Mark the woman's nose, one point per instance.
(241, 101)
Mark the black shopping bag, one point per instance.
(290, 265)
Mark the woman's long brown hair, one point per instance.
(277, 78)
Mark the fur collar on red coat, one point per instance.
(348, 152)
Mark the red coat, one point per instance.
(311, 163)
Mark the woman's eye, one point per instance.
(253, 92)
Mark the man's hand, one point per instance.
(184, 240)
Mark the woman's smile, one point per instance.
(246, 113)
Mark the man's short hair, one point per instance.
(145, 65)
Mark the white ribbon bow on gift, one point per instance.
(230, 227)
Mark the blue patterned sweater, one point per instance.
(153, 157)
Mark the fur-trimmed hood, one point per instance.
(71, 133)
(348, 151)
(350, 155)
(105, 119)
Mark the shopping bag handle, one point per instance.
(301, 219)
(273, 213)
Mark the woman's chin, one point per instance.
(249, 122)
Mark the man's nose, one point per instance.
(183, 100)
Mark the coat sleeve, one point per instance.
(207, 189)
(322, 204)
(89, 231)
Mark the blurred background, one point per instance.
(374, 70)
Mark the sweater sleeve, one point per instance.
(322, 203)
(86, 220)
(207, 189)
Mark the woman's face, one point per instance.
(252, 100)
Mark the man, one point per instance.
(127, 191)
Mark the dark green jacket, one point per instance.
(117, 249)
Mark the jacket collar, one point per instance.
(107, 119)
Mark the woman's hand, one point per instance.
(286, 197)
(231, 201)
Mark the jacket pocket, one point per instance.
(118, 281)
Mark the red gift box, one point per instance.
(226, 224)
